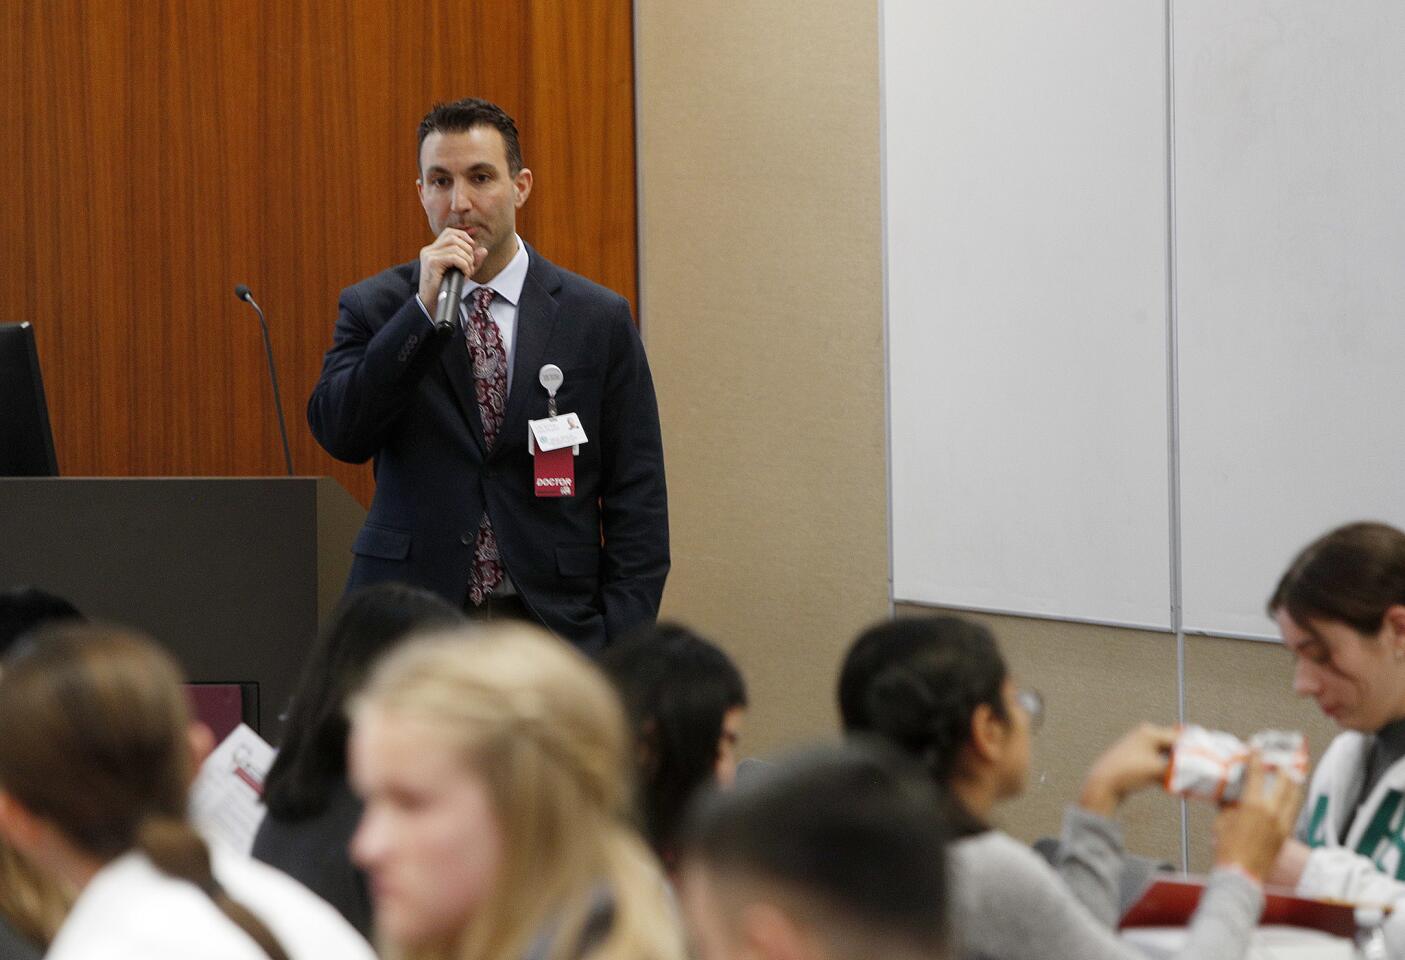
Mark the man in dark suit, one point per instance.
(460, 504)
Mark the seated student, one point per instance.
(494, 766)
(1340, 608)
(938, 689)
(836, 854)
(686, 703)
(96, 759)
(311, 809)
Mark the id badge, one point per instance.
(555, 472)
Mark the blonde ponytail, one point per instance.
(645, 923)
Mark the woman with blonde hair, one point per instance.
(494, 767)
(96, 760)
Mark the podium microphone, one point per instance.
(446, 311)
(243, 293)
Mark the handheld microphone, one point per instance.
(446, 311)
(245, 294)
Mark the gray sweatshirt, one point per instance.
(1009, 904)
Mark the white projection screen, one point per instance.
(1025, 207)
(1029, 226)
(1290, 179)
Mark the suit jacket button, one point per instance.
(467, 539)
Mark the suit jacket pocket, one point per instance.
(583, 561)
(387, 543)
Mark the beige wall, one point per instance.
(762, 306)
(761, 280)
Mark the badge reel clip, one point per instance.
(554, 442)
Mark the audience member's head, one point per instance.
(1340, 608)
(97, 759)
(494, 767)
(686, 702)
(937, 688)
(22, 609)
(836, 854)
(366, 623)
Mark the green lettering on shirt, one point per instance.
(1382, 841)
(1317, 827)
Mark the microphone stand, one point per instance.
(245, 294)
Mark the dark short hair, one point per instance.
(463, 115)
(916, 682)
(677, 688)
(854, 830)
(1351, 575)
(311, 760)
(24, 608)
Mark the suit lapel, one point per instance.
(459, 369)
(536, 317)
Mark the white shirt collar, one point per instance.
(508, 283)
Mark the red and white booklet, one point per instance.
(1170, 902)
(226, 800)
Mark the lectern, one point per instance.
(232, 575)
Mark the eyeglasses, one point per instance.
(1032, 703)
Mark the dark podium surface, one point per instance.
(232, 575)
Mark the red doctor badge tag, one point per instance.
(555, 472)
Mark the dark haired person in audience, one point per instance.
(938, 689)
(686, 702)
(96, 760)
(312, 812)
(24, 608)
(834, 854)
(1340, 608)
(495, 769)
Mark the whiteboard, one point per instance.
(1024, 158)
(1290, 239)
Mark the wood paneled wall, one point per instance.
(157, 152)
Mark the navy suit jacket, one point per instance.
(591, 566)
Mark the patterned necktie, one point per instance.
(489, 358)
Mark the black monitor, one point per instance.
(26, 440)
